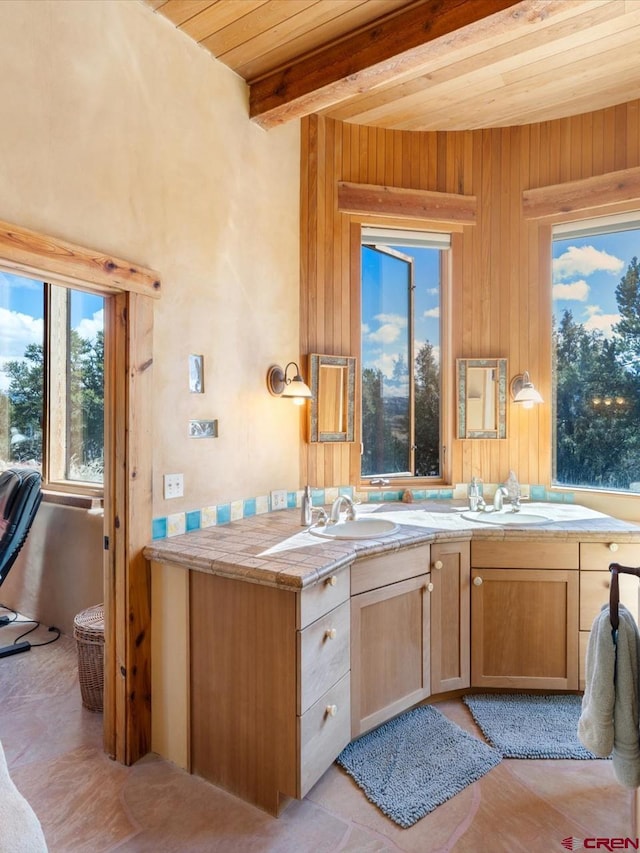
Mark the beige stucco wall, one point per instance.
(120, 134)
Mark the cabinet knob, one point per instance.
(438, 564)
(613, 546)
(331, 710)
(429, 587)
(477, 581)
(332, 581)
(330, 634)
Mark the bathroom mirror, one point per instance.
(332, 380)
(482, 397)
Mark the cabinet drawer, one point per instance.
(322, 597)
(596, 556)
(533, 554)
(389, 568)
(594, 592)
(323, 732)
(323, 655)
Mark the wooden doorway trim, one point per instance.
(128, 485)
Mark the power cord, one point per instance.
(7, 619)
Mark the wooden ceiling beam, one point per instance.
(384, 51)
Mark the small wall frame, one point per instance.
(332, 410)
(482, 397)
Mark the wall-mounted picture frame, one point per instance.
(196, 374)
(203, 429)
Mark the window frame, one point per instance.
(588, 223)
(452, 234)
(54, 385)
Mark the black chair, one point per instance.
(20, 497)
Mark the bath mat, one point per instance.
(416, 762)
(522, 726)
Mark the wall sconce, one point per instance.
(523, 392)
(281, 386)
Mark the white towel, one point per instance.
(609, 718)
(595, 726)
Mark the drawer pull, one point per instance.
(477, 581)
(330, 634)
(613, 546)
(332, 581)
(331, 710)
(438, 564)
(429, 587)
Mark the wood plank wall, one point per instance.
(501, 280)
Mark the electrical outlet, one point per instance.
(173, 486)
(279, 499)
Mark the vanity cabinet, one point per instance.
(595, 582)
(270, 684)
(450, 616)
(524, 614)
(390, 636)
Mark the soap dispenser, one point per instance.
(473, 493)
(305, 510)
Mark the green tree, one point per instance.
(25, 395)
(427, 432)
(628, 329)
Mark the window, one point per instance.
(596, 332)
(51, 381)
(401, 344)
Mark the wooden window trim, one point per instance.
(127, 488)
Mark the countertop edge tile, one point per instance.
(222, 550)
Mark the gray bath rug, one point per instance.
(522, 726)
(416, 762)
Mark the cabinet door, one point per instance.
(389, 651)
(524, 628)
(450, 617)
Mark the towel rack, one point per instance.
(614, 590)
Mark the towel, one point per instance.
(20, 830)
(609, 718)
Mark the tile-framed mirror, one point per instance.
(333, 379)
(481, 397)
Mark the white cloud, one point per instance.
(578, 290)
(89, 327)
(432, 312)
(599, 322)
(585, 261)
(386, 334)
(389, 330)
(394, 319)
(433, 291)
(17, 331)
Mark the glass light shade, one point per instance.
(297, 389)
(527, 396)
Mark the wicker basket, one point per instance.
(88, 629)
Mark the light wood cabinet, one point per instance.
(390, 637)
(524, 619)
(270, 685)
(595, 582)
(450, 616)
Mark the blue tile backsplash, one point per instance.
(248, 507)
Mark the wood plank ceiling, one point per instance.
(421, 64)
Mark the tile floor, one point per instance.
(89, 804)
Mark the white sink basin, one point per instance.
(507, 518)
(360, 528)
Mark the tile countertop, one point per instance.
(274, 549)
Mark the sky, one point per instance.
(384, 308)
(22, 317)
(586, 272)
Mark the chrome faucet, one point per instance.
(334, 515)
(498, 498)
